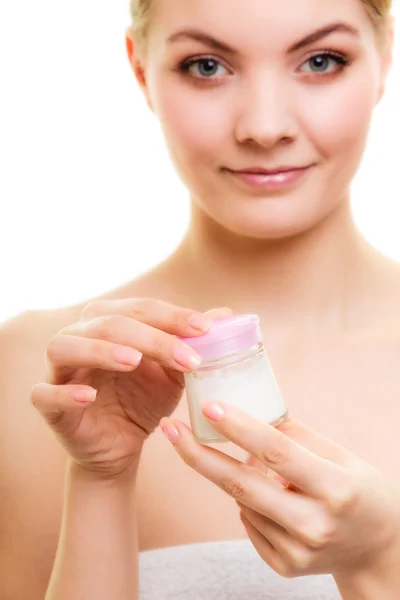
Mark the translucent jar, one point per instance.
(236, 370)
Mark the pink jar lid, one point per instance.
(227, 336)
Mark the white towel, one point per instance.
(230, 570)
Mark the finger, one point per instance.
(157, 313)
(264, 548)
(219, 313)
(68, 352)
(293, 551)
(315, 442)
(308, 438)
(54, 400)
(306, 470)
(253, 461)
(156, 345)
(243, 483)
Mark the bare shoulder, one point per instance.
(25, 337)
(30, 331)
(23, 340)
(32, 325)
(32, 462)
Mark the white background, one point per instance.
(88, 196)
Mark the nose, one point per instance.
(266, 115)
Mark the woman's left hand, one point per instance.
(328, 511)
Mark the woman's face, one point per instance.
(264, 103)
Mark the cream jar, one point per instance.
(236, 370)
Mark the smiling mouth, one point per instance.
(272, 180)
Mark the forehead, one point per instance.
(261, 24)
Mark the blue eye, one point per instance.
(322, 60)
(207, 67)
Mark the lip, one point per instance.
(269, 180)
(274, 171)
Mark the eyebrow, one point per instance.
(319, 34)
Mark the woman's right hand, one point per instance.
(126, 351)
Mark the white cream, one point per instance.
(249, 384)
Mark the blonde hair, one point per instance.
(141, 11)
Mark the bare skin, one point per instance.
(328, 303)
(358, 409)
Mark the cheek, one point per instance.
(340, 121)
(193, 123)
(334, 119)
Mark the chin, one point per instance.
(270, 231)
(271, 222)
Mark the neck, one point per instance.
(308, 282)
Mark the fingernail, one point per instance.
(187, 357)
(171, 432)
(200, 323)
(85, 395)
(127, 356)
(213, 410)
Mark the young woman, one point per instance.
(266, 107)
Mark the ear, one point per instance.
(137, 64)
(386, 56)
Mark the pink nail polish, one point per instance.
(187, 357)
(127, 356)
(235, 370)
(85, 395)
(200, 323)
(213, 410)
(171, 432)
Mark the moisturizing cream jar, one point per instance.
(236, 370)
